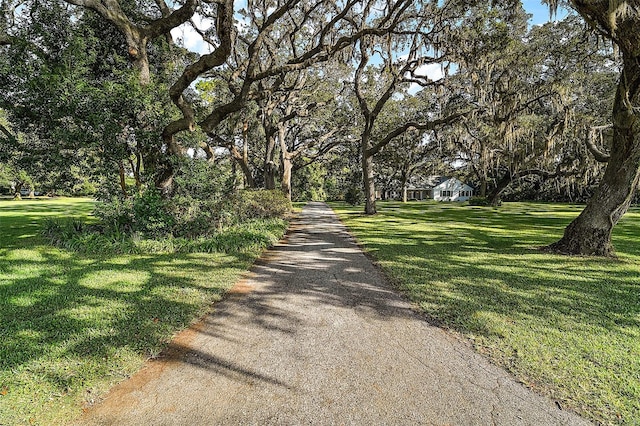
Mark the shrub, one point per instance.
(146, 213)
(478, 201)
(148, 223)
(249, 237)
(151, 216)
(264, 204)
(354, 196)
(84, 189)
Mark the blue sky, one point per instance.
(540, 11)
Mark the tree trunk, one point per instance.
(270, 171)
(270, 168)
(17, 190)
(136, 171)
(123, 181)
(590, 232)
(369, 184)
(164, 177)
(493, 198)
(403, 184)
(243, 162)
(287, 167)
(286, 163)
(248, 177)
(483, 188)
(137, 49)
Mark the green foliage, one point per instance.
(199, 188)
(566, 326)
(145, 213)
(255, 204)
(250, 237)
(247, 220)
(479, 201)
(309, 183)
(103, 117)
(354, 195)
(84, 188)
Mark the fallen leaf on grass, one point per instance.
(4, 391)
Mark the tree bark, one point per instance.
(270, 168)
(494, 196)
(590, 232)
(369, 183)
(287, 167)
(243, 161)
(285, 159)
(17, 190)
(123, 181)
(270, 171)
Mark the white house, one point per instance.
(452, 189)
(439, 188)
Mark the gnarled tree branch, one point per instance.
(591, 145)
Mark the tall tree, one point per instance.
(101, 111)
(590, 233)
(525, 84)
(419, 31)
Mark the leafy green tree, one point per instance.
(590, 232)
(376, 85)
(103, 122)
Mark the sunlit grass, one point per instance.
(567, 326)
(73, 325)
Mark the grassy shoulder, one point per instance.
(566, 326)
(72, 325)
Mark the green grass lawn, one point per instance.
(73, 325)
(566, 326)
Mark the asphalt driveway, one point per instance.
(316, 336)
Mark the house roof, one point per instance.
(453, 183)
(426, 183)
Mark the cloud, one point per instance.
(190, 37)
(433, 72)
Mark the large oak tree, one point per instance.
(590, 232)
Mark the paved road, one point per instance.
(315, 336)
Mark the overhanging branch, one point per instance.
(428, 125)
(589, 142)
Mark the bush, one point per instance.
(478, 201)
(148, 223)
(263, 204)
(84, 189)
(146, 213)
(250, 237)
(151, 215)
(354, 196)
(193, 217)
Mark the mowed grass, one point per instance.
(73, 325)
(566, 326)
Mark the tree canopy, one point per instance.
(366, 93)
